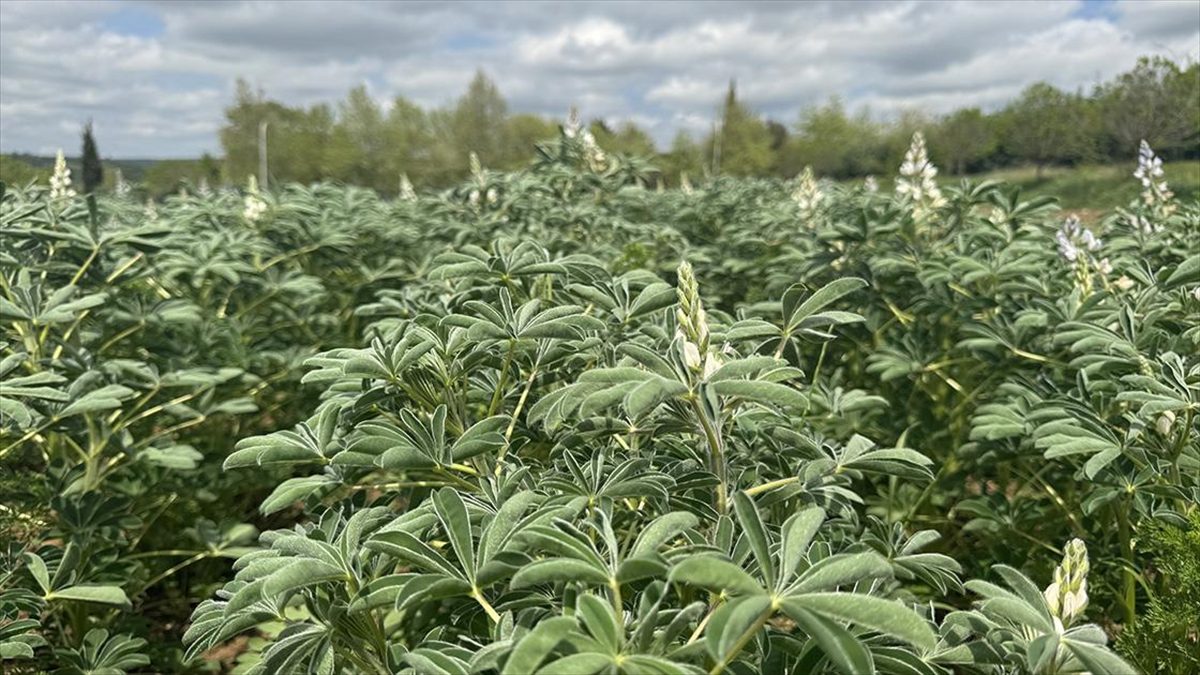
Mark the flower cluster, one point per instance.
(1145, 225)
(693, 325)
(916, 180)
(573, 126)
(120, 187)
(1155, 193)
(255, 207)
(1067, 596)
(407, 193)
(60, 180)
(596, 158)
(808, 195)
(871, 185)
(1077, 243)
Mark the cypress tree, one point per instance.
(93, 172)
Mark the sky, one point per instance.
(155, 76)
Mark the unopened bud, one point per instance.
(1164, 423)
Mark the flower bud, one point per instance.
(1164, 423)
(1067, 596)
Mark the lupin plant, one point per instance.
(1079, 247)
(514, 434)
(60, 180)
(916, 182)
(1155, 193)
(808, 196)
(253, 205)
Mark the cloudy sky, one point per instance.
(155, 76)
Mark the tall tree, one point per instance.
(685, 157)
(1046, 125)
(479, 122)
(963, 138)
(1157, 102)
(93, 170)
(359, 152)
(525, 131)
(627, 139)
(741, 145)
(834, 144)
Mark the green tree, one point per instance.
(210, 169)
(409, 142)
(685, 157)
(742, 143)
(524, 132)
(359, 153)
(1046, 125)
(1157, 101)
(479, 123)
(298, 140)
(16, 172)
(963, 138)
(834, 143)
(93, 171)
(627, 139)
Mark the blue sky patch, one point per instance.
(134, 21)
(1097, 9)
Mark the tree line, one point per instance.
(361, 142)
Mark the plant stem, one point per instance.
(767, 487)
(1129, 595)
(716, 454)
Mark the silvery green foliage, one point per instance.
(523, 438)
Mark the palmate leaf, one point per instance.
(311, 442)
(804, 315)
(1065, 435)
(99, 653)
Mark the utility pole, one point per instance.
(262, 154)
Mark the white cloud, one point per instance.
(158, 89)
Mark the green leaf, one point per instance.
(559, 570)
(842, 649)
(884, 616)
(301, 574)
(585, 663)
(821, 298)
(663, 528)
(107, 397)
(733, 621)
(771, 393)
(1097, 659)
(715, 574)
(597, 617)
(841, 570)
(15, 650)
(293, 490)
(104, 595)
(755, 533)
(532, 649)
(452, 513)
(798, 533)
(647, 395)
(37, 567)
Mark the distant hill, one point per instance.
(132, 169)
